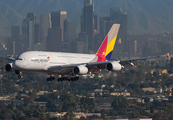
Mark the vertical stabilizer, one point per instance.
(107, 46)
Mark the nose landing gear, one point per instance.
(19, 73)
(75, 78)
(62, 78)
(20, 76)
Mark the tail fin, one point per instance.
(167, 56)
(107, 46)
(11, 56)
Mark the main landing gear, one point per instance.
(50, 78)
(75, 78)
(63, 78)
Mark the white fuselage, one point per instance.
(41, 61)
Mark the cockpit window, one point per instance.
(18, 58)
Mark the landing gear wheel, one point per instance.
(20, 77)
(74, 78)
(50, 78)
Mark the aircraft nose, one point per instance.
(18, 64)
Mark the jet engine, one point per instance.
(9, 67)
(114, 66)
(80, 70)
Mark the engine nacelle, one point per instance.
(9, 67)
(80, 70)
(114, 66)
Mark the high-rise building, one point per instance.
(65, 47)
(32, 17)
(95, 22)
(89, 2)
(87, 24)
(24, 41)
(146, 51)
(82, 43)
(152, 43)
(30, 32)
(31, 35)
(103, 21)
(57, 19)
(131, 45)
(80, 47)
(72, 46)
(54, 42)
(45, 24)
(97, 41)
(15, 32)
(135, 47)
(117, 16)
(36, 33)
(69, 30)
(82, 23)
(14, 43)
(108, 26)
(15, 36)
(10, 46)
(123, 31)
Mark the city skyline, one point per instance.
(43, 35)
(142, 18)
(39, 35)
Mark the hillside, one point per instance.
(149, 16)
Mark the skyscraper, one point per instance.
(29, 32)
(87, 24)
(36, 33)
(14, 43)
(131, 45)
(32, 16)
(69, 30)
(31, 35)
(15, 32)
(83, 43)
(25, 34)
(117, 16)
(57, 19)
(103, 21)
(152, 43)
(89, 2)
(45, 24)
(95, 22)
(54, 42)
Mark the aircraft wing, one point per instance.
(128, 61)
(63, 69)
(68, 69)
(102, 65)
(95, 66)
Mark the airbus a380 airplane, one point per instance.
(74, 64)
